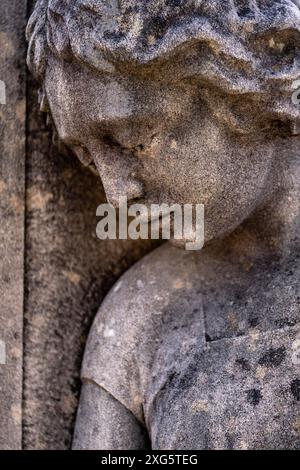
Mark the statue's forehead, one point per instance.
(80, 96)
(198, 41)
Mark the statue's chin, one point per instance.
(211, 236)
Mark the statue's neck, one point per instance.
(273, 231)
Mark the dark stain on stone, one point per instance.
(174, 3)
(245, 12)
(208, 338)
(114, 35)
(159, 25)
(281, 323)
(244, 364)
(295, 389)
(231, 441)
(253, 322)
(273, 357)
(254, 396)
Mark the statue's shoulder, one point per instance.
(147, 286)
(141, 297)
(148, 302)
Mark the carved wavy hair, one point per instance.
(248, 47)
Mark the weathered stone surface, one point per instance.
(196, 378)
(185, 102)
(68, 272)
(228, 86)
(59, 223)
(12, 184)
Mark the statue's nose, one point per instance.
(118, 176)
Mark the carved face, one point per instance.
(155, 140)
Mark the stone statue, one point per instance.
(188, 102)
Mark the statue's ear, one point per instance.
(43, 101)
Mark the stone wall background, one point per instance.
(12, 204)
(65, 270)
